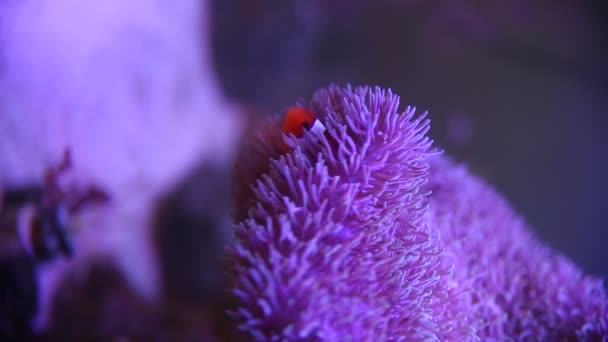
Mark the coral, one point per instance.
(336, 244)
(366, 232)
(521, 289)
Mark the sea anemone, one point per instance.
(521, 289)
(366, 232)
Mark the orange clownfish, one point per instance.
(297, 120)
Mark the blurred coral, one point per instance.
(129, 88)
(519, 288)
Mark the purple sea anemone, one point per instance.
(367, 233)
(521, 290)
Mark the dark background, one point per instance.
(516, 89)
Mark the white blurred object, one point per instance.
(128, 87)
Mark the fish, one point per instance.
(298, 121)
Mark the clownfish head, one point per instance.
(298, 121)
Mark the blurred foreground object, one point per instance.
(128, 87)
(35, 228)
(367, 233)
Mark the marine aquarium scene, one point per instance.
(303, 170)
